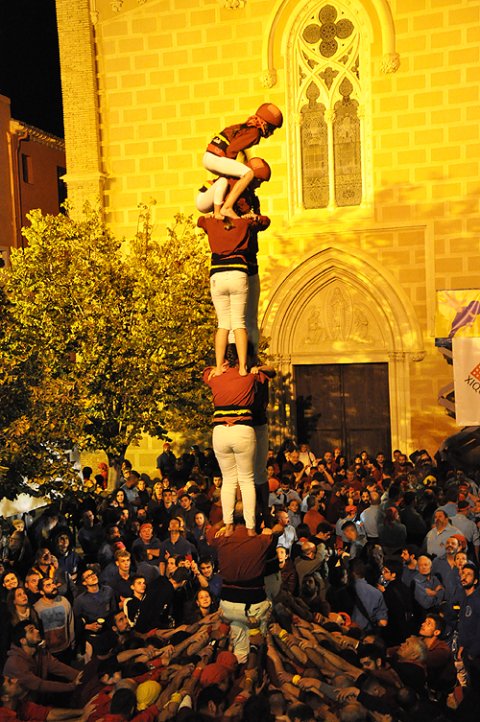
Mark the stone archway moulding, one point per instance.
(386, 328)
(381, 19)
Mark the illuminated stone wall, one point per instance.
(171, 73)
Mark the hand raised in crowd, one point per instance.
(347, 693)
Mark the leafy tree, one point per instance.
(100, 341)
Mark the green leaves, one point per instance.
(101, 340)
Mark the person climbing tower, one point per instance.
(221, 153)
(229, 280)
(212, 194)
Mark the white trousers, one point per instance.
(229, 290)
(213, 196)
(234, 447)
(221, 165)
(234, 612)
(251, 312)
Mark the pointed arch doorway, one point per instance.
(343, 332)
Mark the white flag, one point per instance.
(466, 377)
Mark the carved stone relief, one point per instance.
(341, 318)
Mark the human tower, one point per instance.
(239, 387)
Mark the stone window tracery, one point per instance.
(328, 88)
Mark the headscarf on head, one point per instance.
(213, 674)
(228, 660)
(147, 693)
(255, 122)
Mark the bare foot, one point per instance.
(218, 216)
(228, 530)
(251, 532)
(229, 212)
(243, 371)
(216, 372)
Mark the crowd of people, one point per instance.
(355, 598)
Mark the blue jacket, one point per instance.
(373, 602)
(469, 624)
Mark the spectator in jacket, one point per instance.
(30, 663)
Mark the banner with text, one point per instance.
(457, 314)
(466, 377)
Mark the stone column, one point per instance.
(84, 176)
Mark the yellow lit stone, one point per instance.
(173, 74)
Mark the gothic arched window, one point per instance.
(327, 56)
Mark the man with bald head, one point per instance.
(371, 516)
(310, 561)
(429, 593)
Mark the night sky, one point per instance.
(29, 66)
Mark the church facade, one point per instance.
(374, 189)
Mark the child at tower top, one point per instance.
(222, 150)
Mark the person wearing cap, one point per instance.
(215, 673)
(223, 149)
(467, 527)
